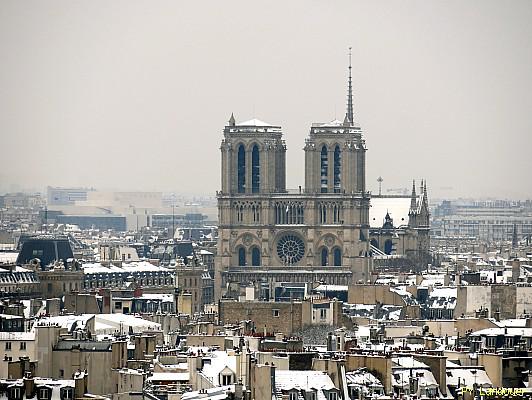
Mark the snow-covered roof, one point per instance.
(254, 122)
(362, 377)
(169, 376)
(467, 376)
(13, 336)
(303, 380)
(443, 297)
(401, 377)
(67, 321)
(332, 288)
(215, 393)
(135, 266)
(409, 362)
(405, 294)
(526, 332)
(432, 280)
(109, 323)
(8, 257)
(164, 297)
(54, 384)
(217, 362)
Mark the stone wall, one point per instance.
(268, 316)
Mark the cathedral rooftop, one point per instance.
(254, 122)
(332, 124)
(251, 126)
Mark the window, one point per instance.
(227, 380)
(8, 345)
(61, 373)
(311, 396)
(241, 169)
(332, 396)
(324, 168)
(44, 394)
(118, 305)
(324, 256)
(289, 212)
(323, 313)
(292, 395)
(241, 257)
(388, 246)
(490, 341)
(67, 393)
(337, 169)
(255, 257)
(15, 393)
(337, 255)
(275, 313)
(22, 345)
(255, 169)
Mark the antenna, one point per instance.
(379, 179)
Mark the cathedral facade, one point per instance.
(269, 234)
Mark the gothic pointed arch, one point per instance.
(388, 246)
(241, 256)
(324, 256)
(337, 168)
(255, 256)
(241, 169)
(324, 168)
(337, 257)
(255, 169)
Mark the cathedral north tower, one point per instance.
(253, 158)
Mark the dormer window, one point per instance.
(292, 395)
(43, 393)
(16, 393)
(67, 393)
(331, 394)
(310, 395)
(227, 379)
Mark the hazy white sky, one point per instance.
(135, 94)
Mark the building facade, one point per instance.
(322, 229)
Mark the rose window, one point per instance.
(290, 249)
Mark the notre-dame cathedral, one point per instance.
(319, 233)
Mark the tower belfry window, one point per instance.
(241, 169)
(255, 169)
(337, 169)
(324, 169)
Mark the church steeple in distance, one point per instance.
(349, 113)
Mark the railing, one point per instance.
(297, 191)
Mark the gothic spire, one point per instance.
(413, 198)
(349, 114)
(232, 120)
